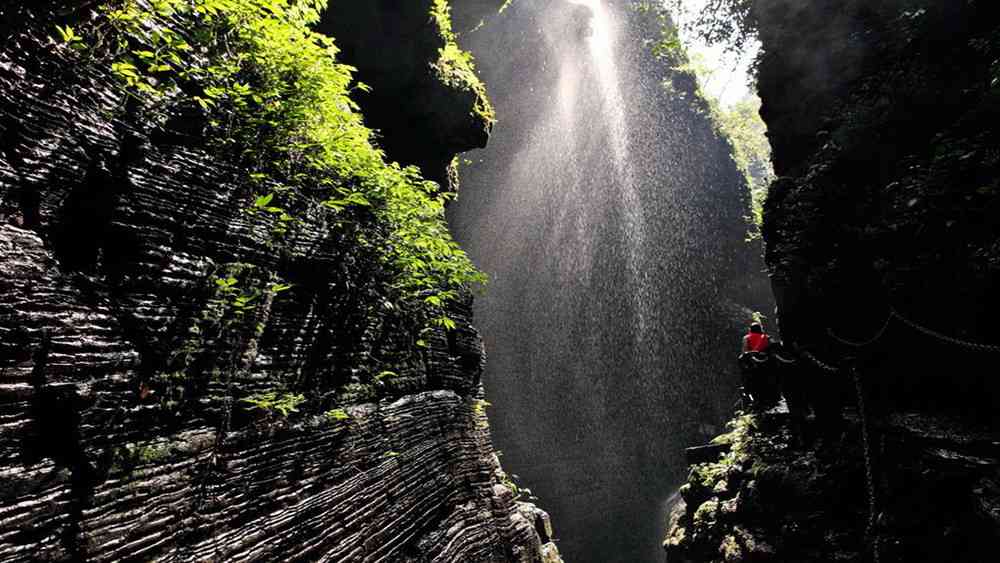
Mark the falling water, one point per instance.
(601, 49)
(609, 217)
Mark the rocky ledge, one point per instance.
(788, 491)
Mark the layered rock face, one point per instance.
(881, 241)
(126, 434)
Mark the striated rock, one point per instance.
(127, 415)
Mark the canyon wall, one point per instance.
(880, 116)
(153, 408)
(881, 242)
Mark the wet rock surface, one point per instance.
(880, 241)
(882, 118)
(123, 431)
(789, 493)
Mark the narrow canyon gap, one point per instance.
(610, 217)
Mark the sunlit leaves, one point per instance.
(69, 38)
(337, 415)
(278, 103)
(273, 402)
(729, 23)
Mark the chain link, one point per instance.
(821, 364)
(870, 533)
(893, 313)
(950, 339)
(879, 335)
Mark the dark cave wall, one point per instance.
(882, 117)
(881, 242)
(124, 436)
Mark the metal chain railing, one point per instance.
(869, 342)
(863, 415)
(870, 533)
(944, 337)
(893, 313)
(819, 363)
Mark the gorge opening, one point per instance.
(610, 217)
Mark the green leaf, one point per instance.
(263, 200)
(67, 34)
(337, 414)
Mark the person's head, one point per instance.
(755, 327)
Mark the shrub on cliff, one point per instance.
(272, 99)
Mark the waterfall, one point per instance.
(609, 217)
(602, 48)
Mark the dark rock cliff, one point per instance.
(124, 433)
(881, 241)
(400, 49)
(881, 116)
(777, 497)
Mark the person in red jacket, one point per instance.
(756, 340)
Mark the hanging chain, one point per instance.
(869, 342)
(870, 532)
(950, 339)
(893, 313)
(819, 363)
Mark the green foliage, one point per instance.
(747, 133)
(479, 407)
(278, 104)
(668, 45)
(337, 415)
(521, 493)
(729, 23)
(455, 67)
(69, 38)
(741, 124)
(385, 375)
(274, 402)
(132, 455)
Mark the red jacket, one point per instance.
(756, 342)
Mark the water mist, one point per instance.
(609, 216)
